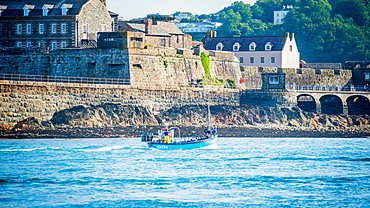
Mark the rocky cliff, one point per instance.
(126, 120)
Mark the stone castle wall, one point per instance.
(20, 100)
(298, 77)
(156, 67)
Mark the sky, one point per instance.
(129, 9)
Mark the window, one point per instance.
(252, 46)
(262, 60)
(41, 28)
(268, 46)
(274, 80)
(45, 10)
(85, 31)
(53, 46)
(64, 28)
(28, 28)
(64, 9)
(163, 42)
(277, 14)
(241, 60)
(219, 47)
(29, 44)
(41, 44)
(367, 76)
(64, 44)
(236, 47)
(272, 60)
(54, 28)
(291, 48)
(19, 28)
(25, 11)
(251, 60)
(19, 44)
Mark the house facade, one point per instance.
(52, 24)
(280, 52)
(159, 34)
(280, 14)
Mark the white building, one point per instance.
(281, 52)
(198, 27)
(279, 15)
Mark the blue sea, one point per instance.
(238, 172)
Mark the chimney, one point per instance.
(148, 26)
(287, 35)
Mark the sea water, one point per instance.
(238, 172)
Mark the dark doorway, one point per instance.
(306, 103)
(331, 105)
(358, 105)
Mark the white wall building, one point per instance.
(279, 15)
(198, 27)
(281, 52)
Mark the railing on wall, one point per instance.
(63, 79)
(326, 88)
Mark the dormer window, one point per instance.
(45, 11)
(2, 8)
(236, 47)
(268, 46)
(219, 47)
(252, 46)
(25, 11)
(27, 8)
(65, 8)
(46, 8)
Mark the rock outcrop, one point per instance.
(104, 116)
(115, 120)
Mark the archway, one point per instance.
(331, 105)
(358, 105)
(306, 103)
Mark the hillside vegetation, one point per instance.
(326, 30)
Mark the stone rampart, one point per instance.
(298, 77)
(20, 100)
(152, 67)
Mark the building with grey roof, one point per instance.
(53, 24)
(159, 34)
(281, 52)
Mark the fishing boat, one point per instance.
(169, 138)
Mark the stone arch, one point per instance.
(331, 105)
(306, 102)
(358, 105)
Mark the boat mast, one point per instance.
(209, 117)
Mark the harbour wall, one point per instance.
(151, 67)
(20, 100)
(298, 77)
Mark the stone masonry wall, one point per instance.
(20, 100)
(301, 77)
(160, 67)
(107, 63)
(155, 67)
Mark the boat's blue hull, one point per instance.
(184, 145)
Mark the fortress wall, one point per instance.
(164, 67)
(73, 63)
(20, 100)
(301, 77)
(152, 67)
